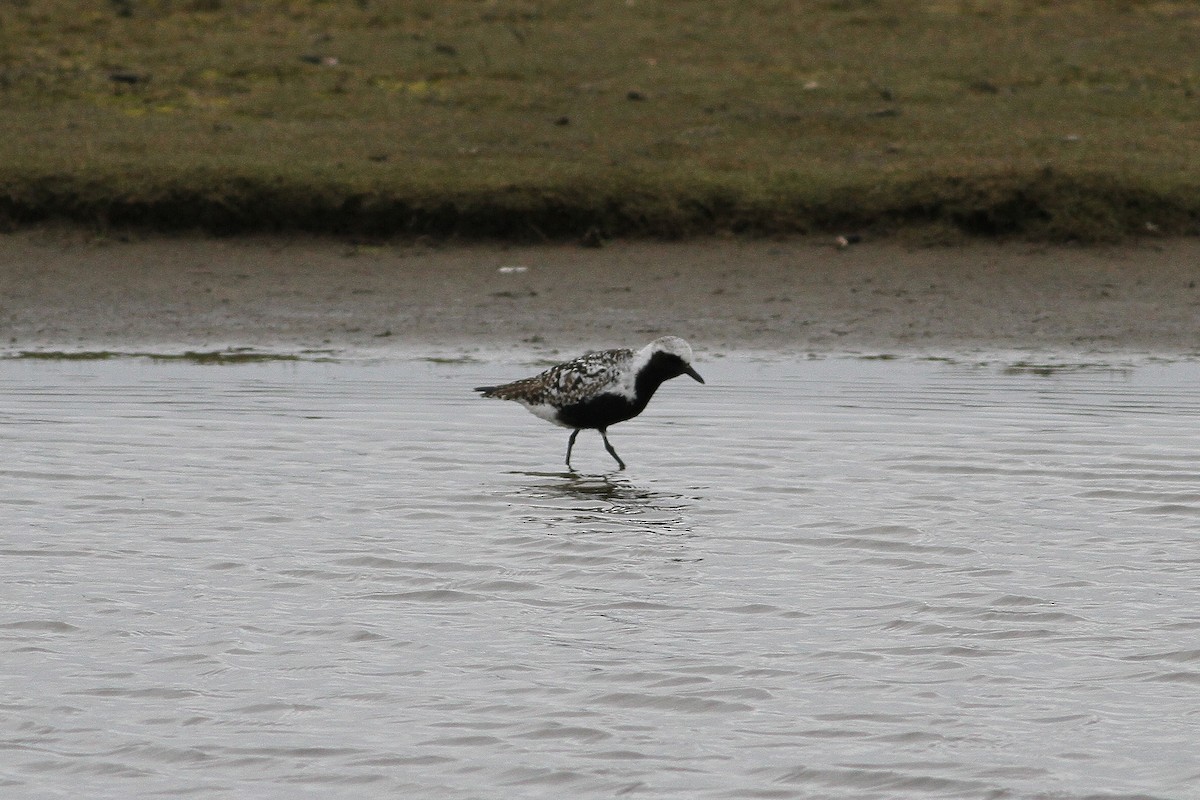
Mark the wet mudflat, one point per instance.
(837, 578)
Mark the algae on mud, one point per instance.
(219, 357)
(1069, 120)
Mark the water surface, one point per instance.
(817, 579)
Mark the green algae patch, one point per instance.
(193, 357)
(61, 355)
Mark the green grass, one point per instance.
(1054, 120)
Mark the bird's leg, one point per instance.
(610, 449)
(570, 444)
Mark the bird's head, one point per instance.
(671, 357)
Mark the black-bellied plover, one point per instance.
(600, 388)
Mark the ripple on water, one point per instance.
(842, 579)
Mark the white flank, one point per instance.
(543, 411)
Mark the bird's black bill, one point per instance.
(687, 370)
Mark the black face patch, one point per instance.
(662, 367)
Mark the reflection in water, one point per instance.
(583, 498)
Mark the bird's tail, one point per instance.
(507, 391)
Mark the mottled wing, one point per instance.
(589, 375)
(570, 382)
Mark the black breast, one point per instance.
(608, 409)
(600, 411)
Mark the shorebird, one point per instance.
(600, 388)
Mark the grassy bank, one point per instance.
(507, 119)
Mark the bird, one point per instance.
(599, 388)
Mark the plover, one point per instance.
(600, 388)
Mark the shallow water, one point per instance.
(836, 578)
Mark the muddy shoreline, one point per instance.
(68, 292)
